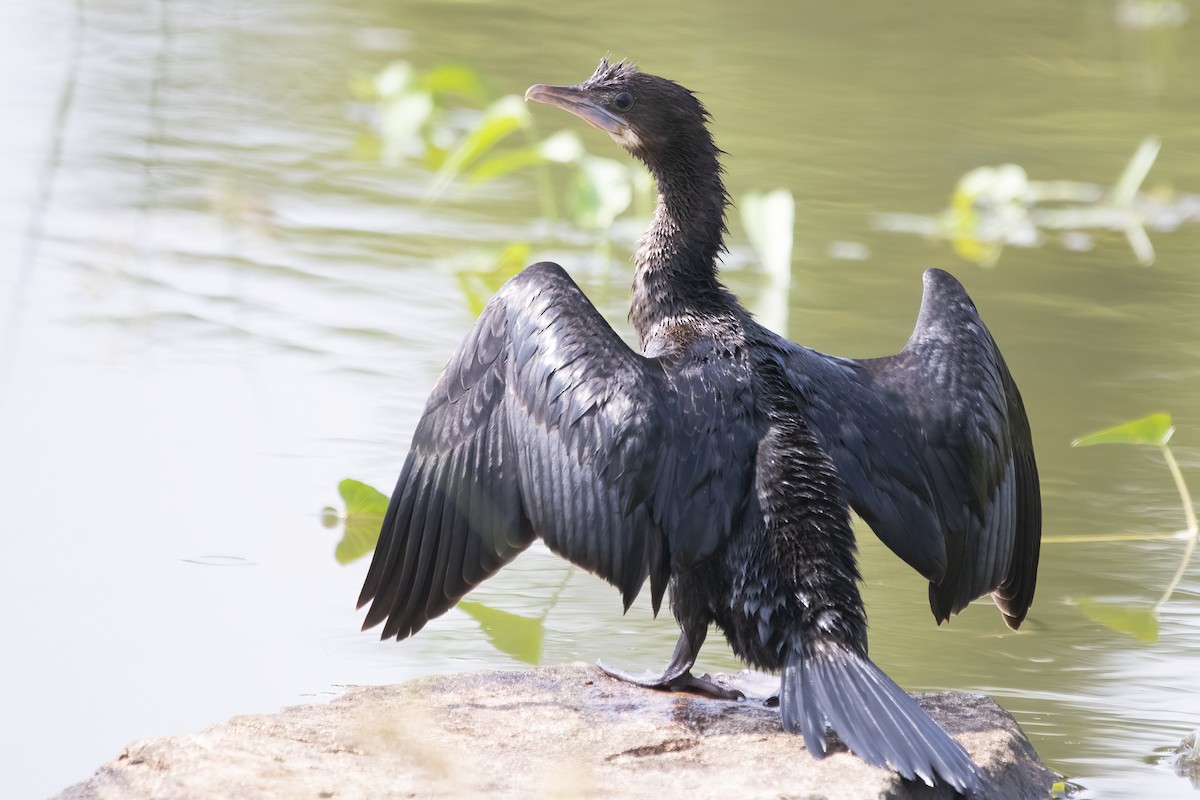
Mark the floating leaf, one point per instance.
(1155, 429)
(519, 637)
(1138, 622)
(365, 508)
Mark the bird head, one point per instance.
(646, 115)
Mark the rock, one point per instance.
(566, 731)
(1185, 759)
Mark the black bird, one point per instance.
(721, 460)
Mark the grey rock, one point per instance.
(1185, 759)
(566, 731)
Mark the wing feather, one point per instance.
(544, 423)
(935, 450)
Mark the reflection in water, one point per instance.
(40, 205)
(1135, 617)
(220, 561)
(215, 307)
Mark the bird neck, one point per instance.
(675, 279)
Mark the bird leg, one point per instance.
(677, 677)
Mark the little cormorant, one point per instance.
(722, 460)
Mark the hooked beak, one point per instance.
(577, 101)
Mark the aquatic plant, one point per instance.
(994, 207)
(447, 120)
(1141, 622)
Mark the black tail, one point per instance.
(828, 682)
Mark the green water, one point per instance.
(216, 305)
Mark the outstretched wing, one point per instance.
(934, 447)
(544, 423)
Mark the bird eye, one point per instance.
(623, 101)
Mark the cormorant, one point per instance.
(722, 460)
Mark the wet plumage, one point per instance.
(720, 461)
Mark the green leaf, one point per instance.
(505, 163)
(1138, 622)
(1155, 429)
(362, 498)
(519, 637)
(563, 147)
(365, 508)
(501, 118)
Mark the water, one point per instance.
(214, 310)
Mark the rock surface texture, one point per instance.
(566, 731)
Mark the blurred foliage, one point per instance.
(769, 219)
(493, 268)
(1138, 619)
(448, 121)
(994, 207)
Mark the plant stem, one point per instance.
(1108, 537)
(557, 593)
(1189, 514)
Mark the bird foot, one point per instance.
(683, 682)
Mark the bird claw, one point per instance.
(708, 685)
(683, 682)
